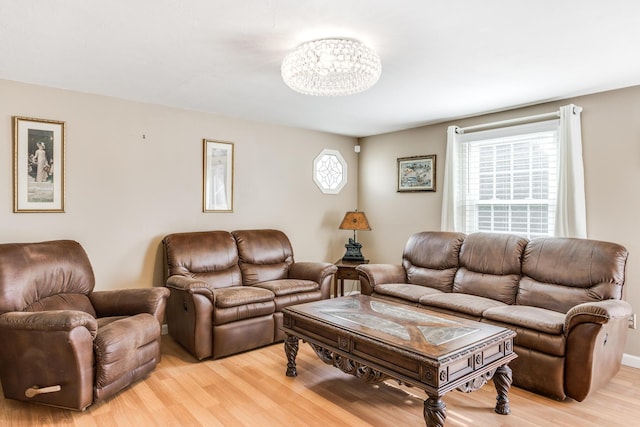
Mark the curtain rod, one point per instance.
(518, 121)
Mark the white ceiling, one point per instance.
(441, 59)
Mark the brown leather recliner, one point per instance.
(63, 344)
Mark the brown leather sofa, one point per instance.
(562, 296)
(228, 289)
(63, 344)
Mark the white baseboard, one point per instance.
(165, 329)
(632, 361)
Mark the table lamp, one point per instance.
(354, 220)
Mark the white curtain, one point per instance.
(571, 211)
(449, 187)
(570, 216)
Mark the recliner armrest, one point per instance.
(596, 336)
(129, 302)
(320, 272)
(315, 271)
(599, 312)
(49, 321)
(372, 275)
(191, 285)
(48, 349)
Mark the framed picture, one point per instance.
(217, 194)
(417, 173)
(38, 165)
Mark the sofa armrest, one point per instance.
(599, 312)
(320, 272)
(596, 337)
(315, 271)
(129, 302)
(372, 275)
(190, 314)
(190, 285)
(49, 321)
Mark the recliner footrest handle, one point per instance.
(35, 390)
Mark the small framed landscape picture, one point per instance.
(217, 194)
(417, 173)
(38, 165)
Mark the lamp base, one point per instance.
(353, 251)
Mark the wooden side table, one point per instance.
(346, 270)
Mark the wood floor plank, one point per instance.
(251, 389)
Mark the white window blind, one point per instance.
(508, 179)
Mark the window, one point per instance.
(330, 171)
(508, 180)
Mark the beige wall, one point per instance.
(611, 152)
(123, 193)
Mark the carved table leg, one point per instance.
(291, 350)
(435, 412)
(502, 381)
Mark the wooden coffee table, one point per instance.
(376, 340)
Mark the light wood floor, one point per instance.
(251, 389)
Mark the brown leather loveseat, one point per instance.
(62, 344)
(562, 296)
(228, 288)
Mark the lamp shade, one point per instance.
(354, 220)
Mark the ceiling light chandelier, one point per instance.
(331, 67)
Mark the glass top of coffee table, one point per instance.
(399, 324)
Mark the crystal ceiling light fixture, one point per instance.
(331, 67)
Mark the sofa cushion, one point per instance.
(536, 328)
(490, 266)
(532, 340)
(288, 286)
(431, 258)
(226, 315)
(299, 298)
(291, 291)
(538, 319)
(210, 256)
(241, 302)
(559, 273)
(264, 255)
(559, 298)
(469, 304)
(241, 295)
(405, 291)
